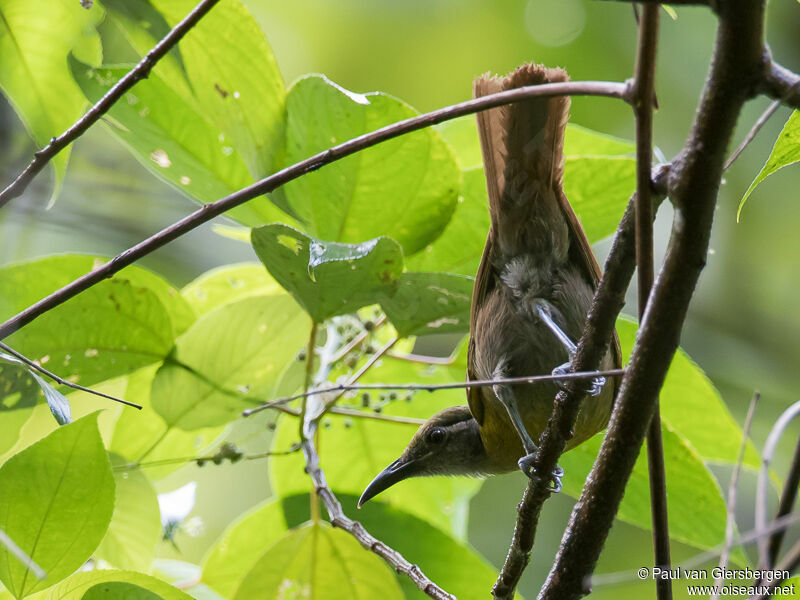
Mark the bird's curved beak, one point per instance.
(397, 471)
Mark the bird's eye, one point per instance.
(437, 436)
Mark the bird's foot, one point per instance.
(594, 390)
(526, 465)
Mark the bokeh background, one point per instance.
(744, 325)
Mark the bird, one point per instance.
(532, 292)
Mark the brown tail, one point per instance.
(523, 157)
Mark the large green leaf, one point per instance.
(785, 152)
(79, 584)
(353, 451)
(329, 278)
(430, 303)
(173, 140)
(405, 188)
(459, 248)
(235, 79)
(119, 590)
(227, 284)
(316, 561)
(56, 501)
(694, 409)
(240, 546)
(135, 528)
(697, 512)
(228, 360)
(108, 330)
(35, 38)
(144, 435)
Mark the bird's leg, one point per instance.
(545, 314)
(505, 394)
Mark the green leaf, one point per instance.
(371, 445)
(428, 303)
(697, 512)
(135, 528)
(459, 248)
(240, 546)
(694, 409)
(598, 188)
(236, 82)
(109, 330)
(79, 584)
(316, 561)
(329, 278)
(786, 151)
(143, 434)
(119, 590)
(174, 141)
(11, 422)
(227, 284)
(405, 188)
(56, 500)
(228, 360)
(35, 38)
(461, 134)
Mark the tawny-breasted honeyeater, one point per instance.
(532, 292)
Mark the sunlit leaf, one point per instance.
(56, 500)
(74, 587)
(227, 284)
(119, 590)
(329, 278)
(405, 188)
(228, 360)
(786, 151)
(316, 561)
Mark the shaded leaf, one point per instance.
(56, 500)
(329, 278)
(119, 590)
(428, 303)
(786, 151)
(74, 587)
(58, 403)
(316, 561)
(405, 188)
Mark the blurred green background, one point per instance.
(744, 323)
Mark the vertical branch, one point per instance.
(643, 100)
(736, 71)
(304, 433)
(788, 496)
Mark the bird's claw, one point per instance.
(526, 465)
(594, 389)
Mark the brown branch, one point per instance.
(274, 181)
(338, 519)
(139, 72)
(60, 380)
(644, 98)
(782, 84)
(430, 387)
(736, 70)
(675, 2)
(788, 497)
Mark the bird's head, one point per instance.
(449, 443)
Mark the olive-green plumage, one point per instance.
(537, 275)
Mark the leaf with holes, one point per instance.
(329, 278)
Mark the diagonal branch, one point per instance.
(736, 70)
(782, 84)
(139, 72)
(274, 181)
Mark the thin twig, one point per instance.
(356, 414)
(788, 496)
(430, 387)
(730, 524)
(60, 380)
(760, 122)
(201, 460)
(345, 350)
(788, 564)
(782, 84)
(21, 555)
(644, 94)
(139, 72)
(699, 559)
(364, 368)
(762, 487)
(313, 163)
